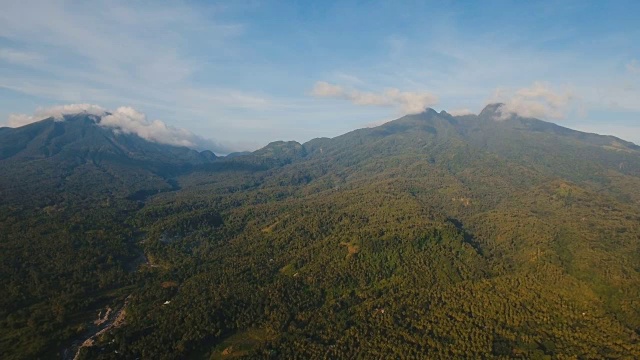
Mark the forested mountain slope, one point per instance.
(431, 236)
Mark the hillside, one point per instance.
(431, 236)
(76, 157)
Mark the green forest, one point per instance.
(430, 236)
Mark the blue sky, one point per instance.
(245, 73)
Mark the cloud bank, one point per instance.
(407, 102)
(123, 120)
(128, 120)
(56, 112)
(537, 101)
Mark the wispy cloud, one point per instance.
(114, 52)
(324, 89)
(19, 57)
(225, 69)
(407, 102)
(536, 101)
(56, 112)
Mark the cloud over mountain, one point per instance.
(128, 120)
(125, 120)
(56, 112)
(536, 101)
(406, 101)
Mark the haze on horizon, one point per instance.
(246, 73)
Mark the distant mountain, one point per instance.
(430, 236)
(277, 153)
(64, 155)
(81, 137)
(236, 154)
(530, 142)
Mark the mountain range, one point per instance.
(430, 236)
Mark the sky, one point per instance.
(236, 75)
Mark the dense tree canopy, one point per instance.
(428, 237)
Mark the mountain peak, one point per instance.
(491, 110)
(430, 111)
(80, 137)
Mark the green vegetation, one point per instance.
(428, 237)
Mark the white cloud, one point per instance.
(633, 67)
(187, 63)
(130, 121)
(537, 101)
(115, 52)
(324, 89)
(17, 120)
(56, 112)
(460, 112)
(407, 102)
(126, 120)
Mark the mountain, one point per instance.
(236, 154)
(59, 154)
(430, 236)
(275, 154)
(80, 136)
